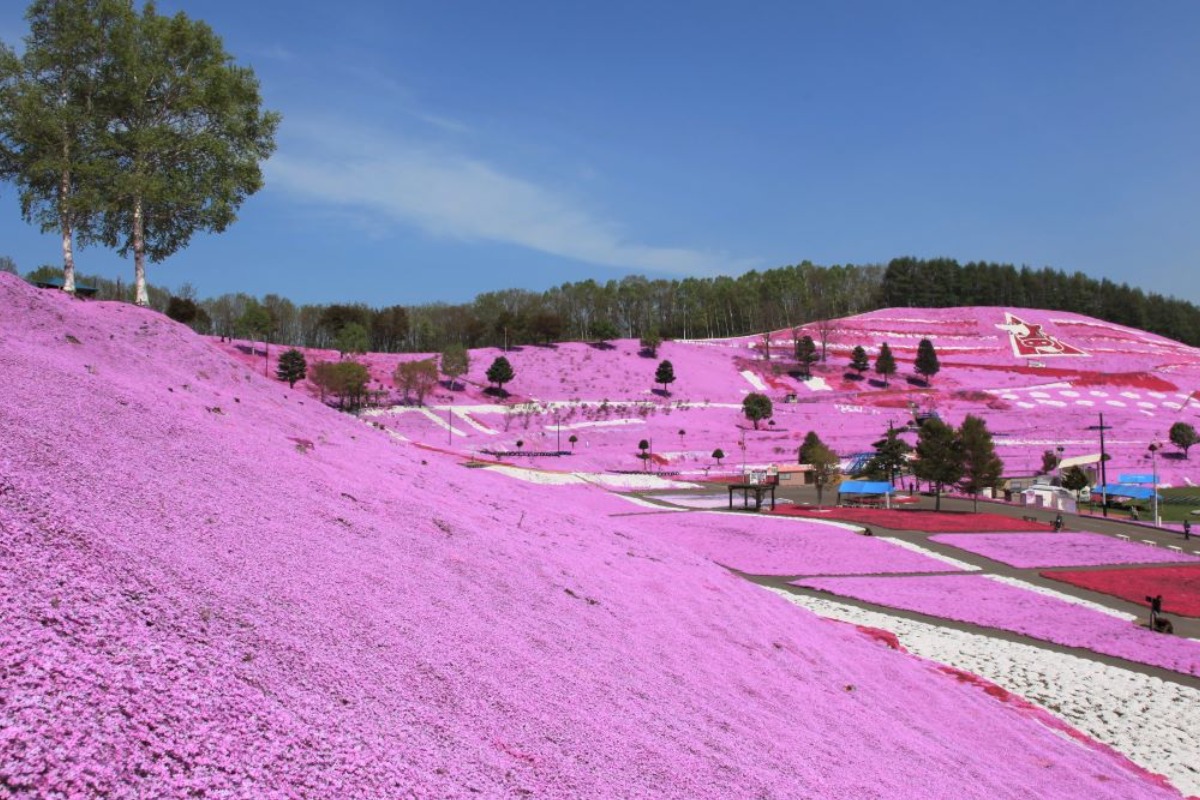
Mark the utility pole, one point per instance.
(1103, 465)
(1154, 464)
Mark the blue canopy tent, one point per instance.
(860, 490)
(1132, 491)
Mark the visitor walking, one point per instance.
(1058, 523)
(1187, 529)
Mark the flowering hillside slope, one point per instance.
(213, 586)
(1041, 380)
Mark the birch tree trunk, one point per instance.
(141, 296)
(64, 223)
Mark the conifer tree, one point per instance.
(858, 361)
(939, 458)
(806, 355)
(811, 440)
(665, 374)
(500, 373)
(1183, 435)
(885, 363)
(891, 455)
(980, 464)
(292, 367)
(926, 363)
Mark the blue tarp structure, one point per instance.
(1135, 478)
(865, 487)
(1124, 490)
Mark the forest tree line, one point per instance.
(636, 307)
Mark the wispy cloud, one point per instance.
(453, 195)
(275, 52)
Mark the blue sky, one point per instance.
(435, 150)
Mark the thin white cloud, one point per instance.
(452, 195)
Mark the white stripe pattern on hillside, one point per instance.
(1078, 601)
(916, 548)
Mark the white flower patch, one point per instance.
(1068, 393)
(643, 481)
(440, 422)
(1147, 413)
(916, 548)
(816, 384)
(1098, 699)
(1038, 394)
(602, 423)
(1144, 404)
(1130, 395)
(1054, 403)
(1029, 587)
(1157, 395)
(479, 426)
(1172, 406)
(1116, 403)
(1095, 393)
(1011, 396)
(848, 409)
(1084, 403)
(1023, 404)
(754, 380)
(537, 476)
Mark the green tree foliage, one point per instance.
(981, 466)
(346, 380)
(604, 330)
(885, 363)
(1075, 479)
(825, 472)
(891, 456)
(811, 440)
(49, 127)
(644, 455)
(292, 367)
(926, 363)
(455, 363)
(184, 133)
(1049, 461)
(547, 326)
(650, 342)
(1183, 436)
(858, 360)
(333, 318)
(388, 327)
(414, 379)
(572, 439)
(757, 407)
(806, 355)
(255, 322)
(665, 374)
(182, 309)
(352, 339)
(939, 457)
(500, 372)
(718, 454)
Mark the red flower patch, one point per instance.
(912, 520)
(1179, 586)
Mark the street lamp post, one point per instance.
(1103, 465)
(1154, 464)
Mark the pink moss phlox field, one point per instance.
(981, 601)
(1026, 550)
(763, 545)
(912, 520)
(212, 586)
(1178, 586)
(607, 398)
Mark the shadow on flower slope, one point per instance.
(197, 603)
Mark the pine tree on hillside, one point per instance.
(806, 355)
(1183, 436)
(500, 373)
(885, 363)
(981, 466)
(756, 407)
(292, 367)
(858, 361)
(665, 374)
(926, 364)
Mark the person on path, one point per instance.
(1187, 529)
(1133, 513)
(1058, 523)
(1155, 610)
